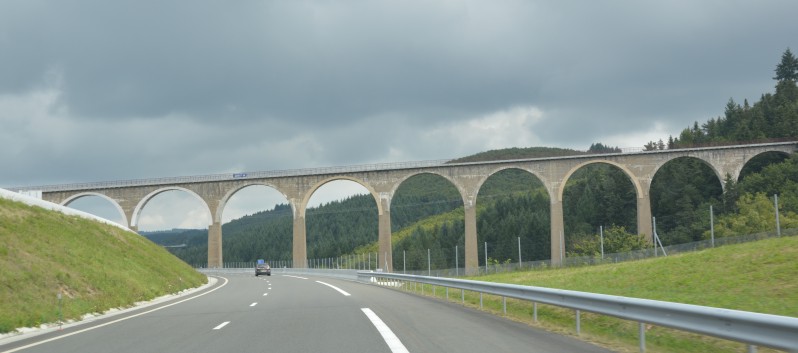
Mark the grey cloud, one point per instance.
(173, 87)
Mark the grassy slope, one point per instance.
(95, 267)
(758, 277)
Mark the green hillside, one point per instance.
(517, 153)
(95, 267)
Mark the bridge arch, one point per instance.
(716, 168)
(457, 185)
(113, 202)
(301, 208)
(781, 155)
(217, 217)
(143, 202)
(632, 177)
(500, 169)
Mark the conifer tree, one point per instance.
(787, 69)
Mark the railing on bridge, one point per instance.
(343, 169)
(232, 176)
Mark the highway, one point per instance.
(244, 313)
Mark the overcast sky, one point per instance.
(108, 90)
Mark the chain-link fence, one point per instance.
(451, 262)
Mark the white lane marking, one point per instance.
(294, 276)
(221, 325)
(265, 294)
(115, 321)
(334, 287)
(393, 342)
(253, 304)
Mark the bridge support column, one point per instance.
(644, 225)
(215, 245)
(386, 254)
(557, 234)
(471, 252)
(300, 243)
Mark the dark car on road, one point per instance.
(263, 268)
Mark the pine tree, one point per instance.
(787, 69)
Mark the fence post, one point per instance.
(654, 219)
(601, 237)
(776, 205)
(486, 258)
(456, 263)
(712, 225)
(429, 264)
(578, 323)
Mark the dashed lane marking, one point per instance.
(294, 276)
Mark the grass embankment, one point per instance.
(95, 267)
(758, 277)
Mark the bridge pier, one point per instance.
(215, 245)
(557, 234)
(644, 225)
(386, 253)
(300, 247)
(471, 253)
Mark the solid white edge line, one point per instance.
(390, 338)
(334, 287)
(113, 322)
(221, 325)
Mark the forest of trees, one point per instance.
(427, 211)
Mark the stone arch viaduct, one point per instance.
(382, 181)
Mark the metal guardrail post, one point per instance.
(642, 334)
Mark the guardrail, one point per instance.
(754, 329)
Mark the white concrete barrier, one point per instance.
(32, 201)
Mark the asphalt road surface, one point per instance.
(244, 313)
